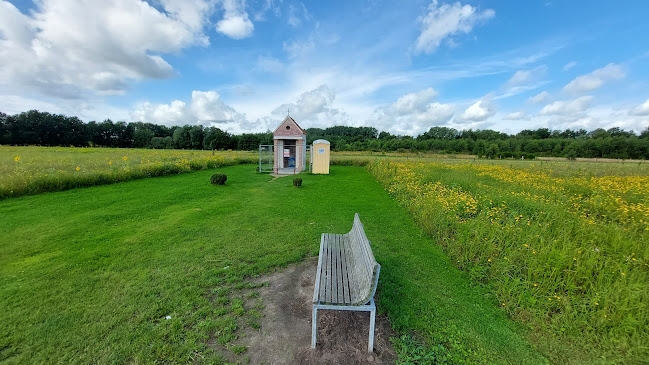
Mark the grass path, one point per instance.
(89, 275)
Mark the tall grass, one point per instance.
(565, 252)
(34, 170)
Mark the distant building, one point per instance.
(289, 141)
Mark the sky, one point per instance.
(399, 66)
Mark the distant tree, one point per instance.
(492, 150)
(216, 139)
(142, 137)
(542, 133)
(196, 137)
(645, 133)
(619, 132)
(479, 148)
(181, 138)
(162, 143)
(599, 133)
(440, 133)
(4, 129)
(249, 142)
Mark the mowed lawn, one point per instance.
(90, 275)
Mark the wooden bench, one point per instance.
(347, 276)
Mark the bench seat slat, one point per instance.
(316, 290)
(334, 271)
(345, 273)
(339, 275)
(323, 275)
(327, 297)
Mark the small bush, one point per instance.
(297, 182)
(218, 179)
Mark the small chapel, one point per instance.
(289, 141)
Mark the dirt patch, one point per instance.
(285, 333)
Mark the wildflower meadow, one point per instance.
(33, 170)
(564, 250)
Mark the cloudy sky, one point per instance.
(399, 66)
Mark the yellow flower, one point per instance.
(574, 258)
(125, 158)
(623, 274)
(503, 304)
(596, 303)
(17, 158)
(489, 260)
(110, 163)
(506, 258)
(536, 284)
(78, 168)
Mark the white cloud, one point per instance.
(590, 118)
(174, 113)
(517, 116)
(642, 109)
(66, 48)
(605, 117)
(297, 14)
(525, 77)
(417, 101)
(540, 98)
(478, 112)
(269, 64)
(569, 65)
(567, 107)
(412, 113)
(313, 108)
(205, 108)
(269, 5)
(235, 23)
(595, 79)
(447, 20)
(296, 49)
(190, 12)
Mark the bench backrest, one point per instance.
(365, 269)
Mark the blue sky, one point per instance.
(399, 66)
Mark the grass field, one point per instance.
(561, 247)
(33, 170)
(564, 246)
(89, 275)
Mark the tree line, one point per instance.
(45, 129)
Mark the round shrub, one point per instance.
(218, 179)
(297, 182)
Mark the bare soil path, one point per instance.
(285, 333)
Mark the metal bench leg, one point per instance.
(314, 326)
(370, 346)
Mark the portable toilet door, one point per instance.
(320, 153)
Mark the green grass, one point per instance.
(89, 275)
